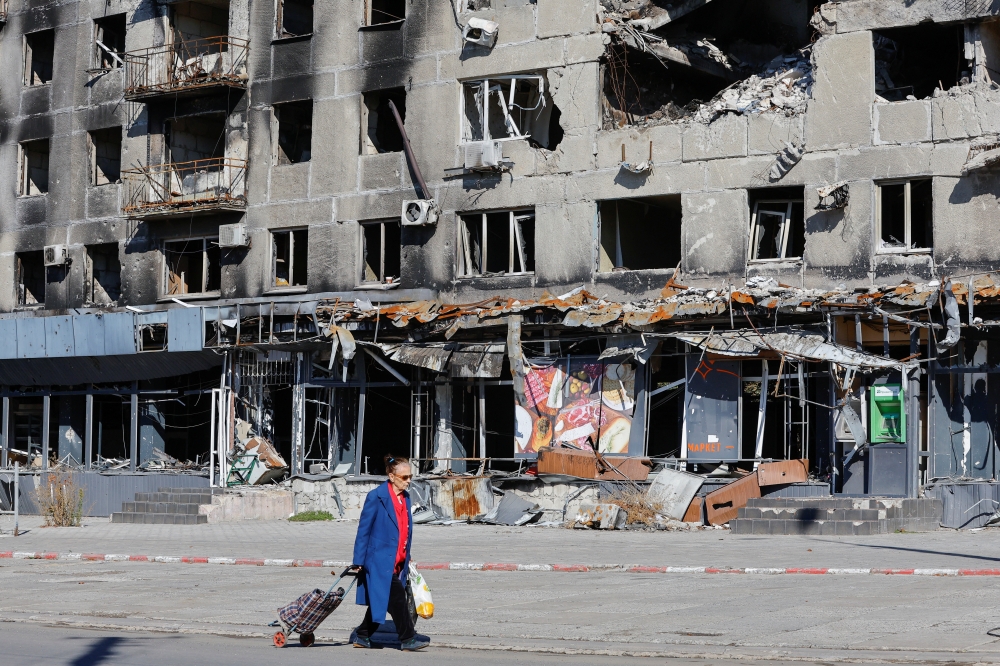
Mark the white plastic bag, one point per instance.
(421, 594)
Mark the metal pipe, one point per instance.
(134, 431)
(212, 441)
(5, 433)
(385, 364)
(424, 192)
(17, 494)
(88, 439)
(46, 408)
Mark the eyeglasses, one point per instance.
(403, 478)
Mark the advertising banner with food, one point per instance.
(576, 402)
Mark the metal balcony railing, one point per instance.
(211, 184)
(190, 65)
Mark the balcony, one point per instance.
(194, 65)
(205, 185)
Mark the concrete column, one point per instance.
(134, 428)
(299, 413)
(88, 434)
(5, 433)
(46, 409)
(359, 437)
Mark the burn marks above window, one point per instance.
(34, 176)
(777, 224)
(294, 131)
(39, 54)
(496, 243)
(639, 234)
(905, 218)
(290, 251)
(191, 267)
(385, 12)
(380, 131)
(509, 107)
(105, 156)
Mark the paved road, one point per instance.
(813, 618)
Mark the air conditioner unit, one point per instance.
(419, 213)
(234, 235)
(56, 255)
(482, 32)
(483, 154)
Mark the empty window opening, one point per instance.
(193, 266)
(31, 278)
(294, 131)
(913, 61)
(291, 257)
(105, 156)
(510, 107)
(475, 5)
(640, 234)
(109, 41)
(385, 11)
(105, 274)
(380, 131)
(777, 224)
(905, 216)
(295, 18)
(497, 243)
(982, 50)
(39, 48)
(34, 167)
(198, 20)
(380, 252)
(196, 138)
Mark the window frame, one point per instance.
(279, 20)
(907, 183)
(24, 175)
(27, 59)
(291, 259)
(115, 57)
(19, 292)
(466, 129)
(92, 145)
(786, 223)
(165, 275)
(380, 281)
(367, 18)
(465, 262)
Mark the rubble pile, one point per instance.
(783, 87)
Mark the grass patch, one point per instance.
(307, 516)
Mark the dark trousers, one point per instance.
(398, 609)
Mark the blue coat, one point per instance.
(375, 549)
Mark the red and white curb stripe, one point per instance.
(497, 566)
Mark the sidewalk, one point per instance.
(478, 544)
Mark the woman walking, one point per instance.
(382, 552)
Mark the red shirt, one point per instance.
(403, 520)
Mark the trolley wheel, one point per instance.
(279, 639)
(307, 639)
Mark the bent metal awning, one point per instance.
(797, 344)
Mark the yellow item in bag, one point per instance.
(421, 594)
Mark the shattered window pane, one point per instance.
(777, 228)
(193, 266)
(509, 107)
(770, 235)
(498, 243)
(905, 216)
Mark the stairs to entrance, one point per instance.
(167, 506)
(830, 516)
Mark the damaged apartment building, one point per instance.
(710, 233)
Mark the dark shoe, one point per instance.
(414, 644)
(362, 642)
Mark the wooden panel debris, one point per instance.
(724, 503)
(785, 471)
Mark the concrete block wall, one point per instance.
(847, 134)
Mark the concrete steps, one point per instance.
(167, 506)
(837, 516)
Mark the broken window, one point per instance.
(905, 216)
(109, 41)
(475, 5)
(31, 278)
(497, 243)
(193, 266)
(380, 252)
(911, 62)
(380, 131)
(291, 255)
(385, 11)
(639, 234)
(34, 167)
(295, 18)
(39, 48)
(509, 107)
(294, 131)
(196, 137)
(104, 273)
(105, 156)
(777, 225)
(199, 20)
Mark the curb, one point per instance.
(499, 566)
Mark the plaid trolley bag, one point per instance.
(303, 615)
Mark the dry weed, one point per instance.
(639, 507)
(60, 500)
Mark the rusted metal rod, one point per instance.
(424, 192)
